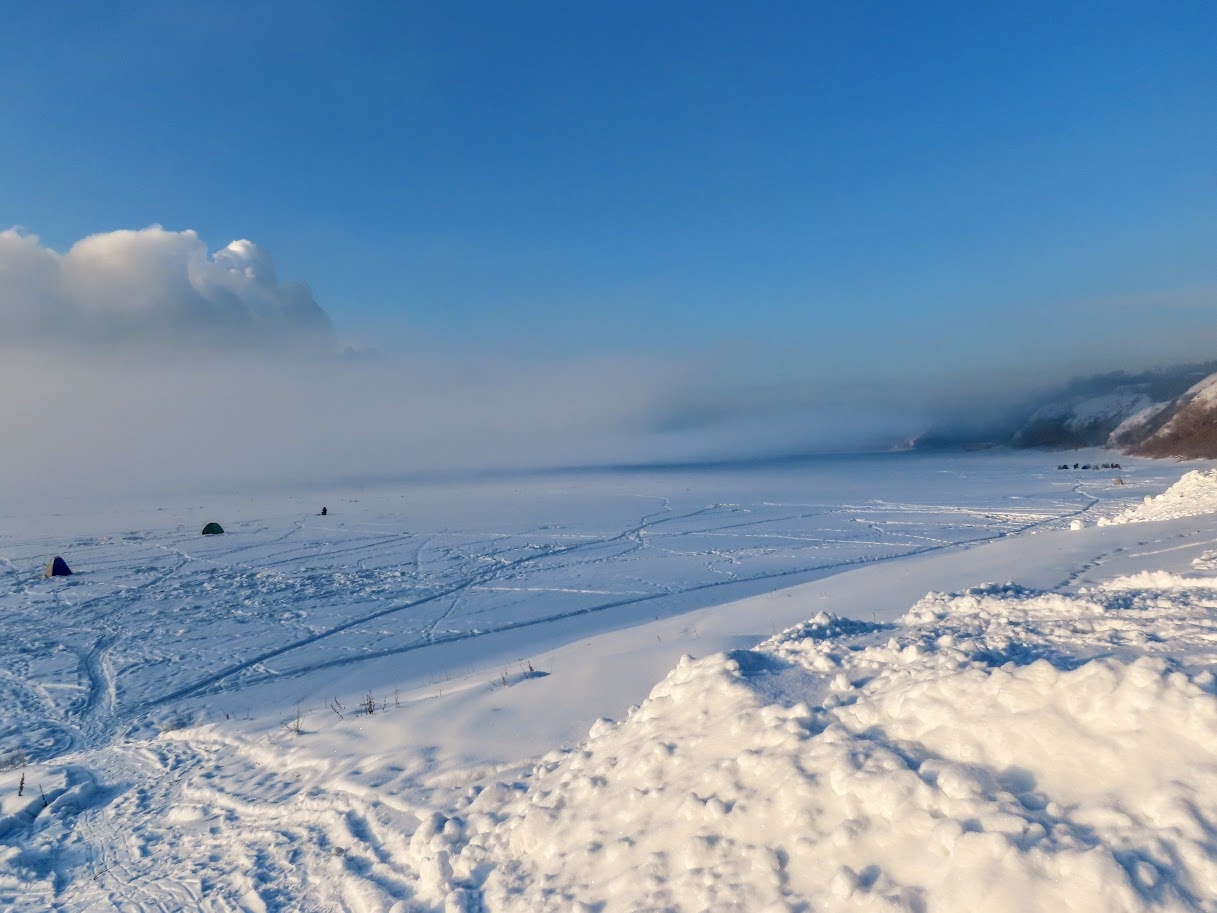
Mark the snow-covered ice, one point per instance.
(186, 718)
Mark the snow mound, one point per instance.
(999, 749)
(1192, 495)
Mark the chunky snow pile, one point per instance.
(1194, 494)
(1001, 749)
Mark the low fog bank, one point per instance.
(93, 423)
(86, 423)
(139, 361)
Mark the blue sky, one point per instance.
(652, 177)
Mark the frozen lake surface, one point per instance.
(157, 617)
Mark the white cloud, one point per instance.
(151, 288)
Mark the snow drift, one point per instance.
(1193, 495)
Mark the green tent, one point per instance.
(57, 567)
(212, 529)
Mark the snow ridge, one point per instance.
(1194, 494)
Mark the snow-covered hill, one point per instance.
(1092, 412)
(1118, 411)
(1185, 428)
(1134, 417)
(1081, 421)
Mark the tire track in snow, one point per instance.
(632, 534)
(99, 701)
(379, 543)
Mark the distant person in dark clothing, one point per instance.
(324, 511)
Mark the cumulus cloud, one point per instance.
(151, 288)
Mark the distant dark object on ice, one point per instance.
(57, 567)
(324, 511)
(212, 529)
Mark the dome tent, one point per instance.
(57, 567)
(212, 529)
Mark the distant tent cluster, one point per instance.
(1090, 466)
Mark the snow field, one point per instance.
(160, 626)
(1028, 747)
